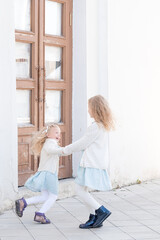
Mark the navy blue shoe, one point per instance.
(102, 214)
(89, 223)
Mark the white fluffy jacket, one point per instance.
(49, 158)
(95, 146)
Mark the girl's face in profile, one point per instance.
(54, 133)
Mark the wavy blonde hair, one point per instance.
(39, 139)
(101, 112)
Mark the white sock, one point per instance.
(91, 203)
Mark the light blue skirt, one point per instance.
(43, 180)
(97, 179)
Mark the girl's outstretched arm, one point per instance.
(52, 149)
(91, 134)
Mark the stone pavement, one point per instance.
(135, 215)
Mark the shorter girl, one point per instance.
(93, 169)
(45, 144)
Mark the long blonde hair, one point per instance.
(39, 139)
(101, 112)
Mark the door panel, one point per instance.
(23, 60)
(23, 15)
(24, 99)
(53, 102)
(53, 18)
(53, 63)
(44, 79)
(55, 40)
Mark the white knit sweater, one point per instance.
(49, 158)
(95, 146)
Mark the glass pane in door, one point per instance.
(53, 18)
(22, 15)
(23, 106)
(23, 60)
(53, 106)
(53, 62)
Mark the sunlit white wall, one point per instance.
(134, 86)
(8, 125)
(121, 62)
(89, 62)
(79, 94)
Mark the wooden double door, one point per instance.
(43, 34)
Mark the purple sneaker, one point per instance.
(41, 218)
(20, 206)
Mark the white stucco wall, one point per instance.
(8, 126)
(89, 62)
(122, 63)
(79, 99)
(134, 85)
(97, 47)
(92, 47)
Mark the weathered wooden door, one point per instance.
(44, 76)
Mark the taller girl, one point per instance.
(93, 169)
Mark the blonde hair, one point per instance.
(39, 139)
(101, 112)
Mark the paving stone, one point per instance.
(135, 216)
